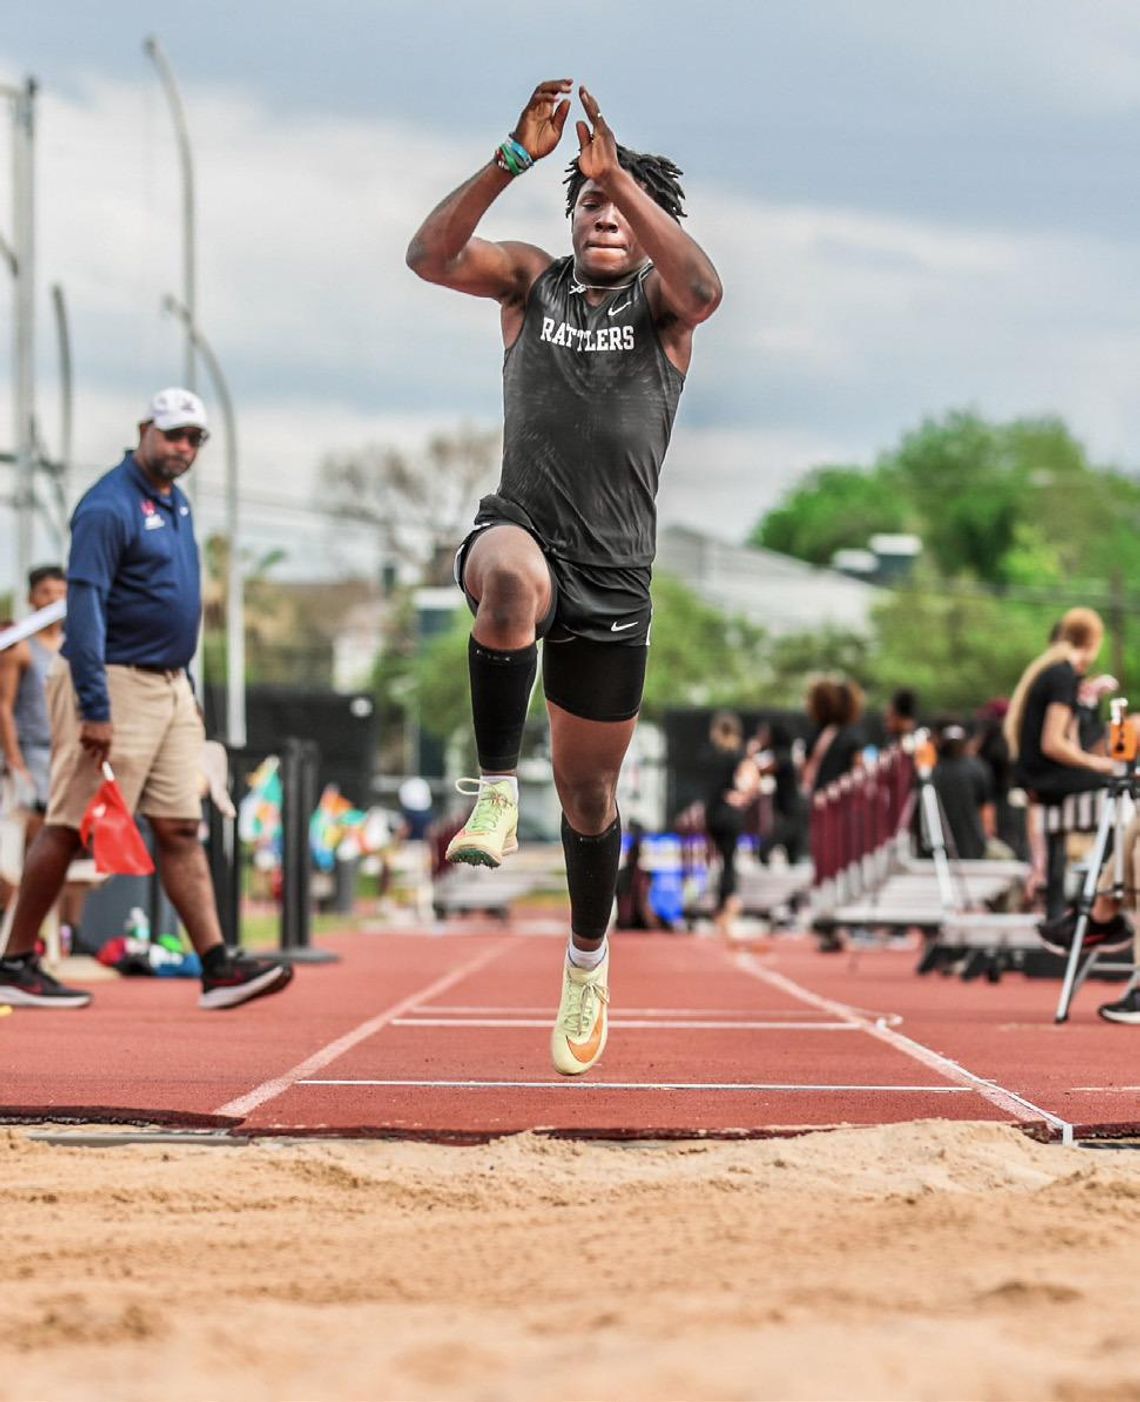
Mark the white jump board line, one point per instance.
(879, 1028)
(673, 1025)
(729, 1086)
(487, 1010)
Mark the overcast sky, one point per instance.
(914, 207)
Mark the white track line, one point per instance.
(747, 1086)
(546, 1010)
(676, 1026)
(1007, 1100)
(270, 1090)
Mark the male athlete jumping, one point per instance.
(597, 346)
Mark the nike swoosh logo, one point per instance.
(621, 627)
(613, 311)
(587, 1050)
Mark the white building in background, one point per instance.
(781, 594)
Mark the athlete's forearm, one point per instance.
(686, 271)
(441, 239)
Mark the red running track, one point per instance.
(446, 1036)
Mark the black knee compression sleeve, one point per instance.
(591, 875)
(501, 684)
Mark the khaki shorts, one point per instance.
(155, 752)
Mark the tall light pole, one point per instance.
(20, 255)
(235, 593)
(66, 397)
(154, 51)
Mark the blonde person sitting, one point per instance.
(1041, 731)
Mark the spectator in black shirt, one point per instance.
(634, 888)
(989, 744)
(901, 716)
(835, 708)
(964, 793)
(776, 757)
(1041, 731)
(731, 782)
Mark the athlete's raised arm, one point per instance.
(687, 283)
(445, 249)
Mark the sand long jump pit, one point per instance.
(925, 1260)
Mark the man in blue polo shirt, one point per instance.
(120, 692)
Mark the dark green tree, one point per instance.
(969, 488)
(832, 509)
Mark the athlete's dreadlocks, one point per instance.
(657, 173)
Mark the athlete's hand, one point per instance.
(540, 125)
(598, 157)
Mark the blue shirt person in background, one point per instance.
(120, 692)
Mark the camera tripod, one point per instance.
(1121, 792)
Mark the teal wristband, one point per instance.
(513, 157)
(526, 160)
(506, 160)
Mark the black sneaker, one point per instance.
(936, 956)
(1127, 1010)
(24, 983)
(241, 978)
(1059, 934)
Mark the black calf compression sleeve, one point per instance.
(501, 684)
(591, 875)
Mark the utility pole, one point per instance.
(235, 587)
(66, 399)
(20, 256)
(154, 51)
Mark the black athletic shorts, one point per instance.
(595, 633)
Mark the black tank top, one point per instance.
(589, 400)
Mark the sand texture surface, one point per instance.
(929, 1260)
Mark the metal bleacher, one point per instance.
(771, 893)
(868, 878)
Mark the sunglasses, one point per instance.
(196, 437)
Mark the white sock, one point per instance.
(586, 958)
(502, 779)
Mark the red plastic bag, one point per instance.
(109, 829)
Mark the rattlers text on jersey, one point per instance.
(589, 401)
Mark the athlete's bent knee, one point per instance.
(509, 597)
(588, 804)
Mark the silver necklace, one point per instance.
(579, 286)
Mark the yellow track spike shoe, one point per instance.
(579, 1035)
(489, 834)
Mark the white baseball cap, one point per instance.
(176, 408)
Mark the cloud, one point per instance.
(1069, 58)
(840, 327)
(855, 324)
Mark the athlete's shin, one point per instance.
(501, 683)
(591, 876)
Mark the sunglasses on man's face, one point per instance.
(196, 437)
